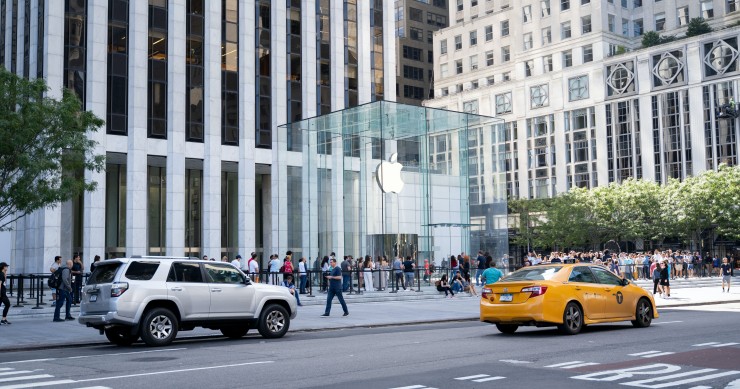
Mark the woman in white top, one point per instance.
(368, 273)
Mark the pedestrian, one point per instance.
(725, 272)
(469, 287)
(335, 288)
(287, 267)
(444, 286)
(655, 273)
(367, 273)
(427, 272)
(383, 281)
(302, 274)
(408, 271)
(492, 274)
(665, 279)
(346, 275)
(65, 292)
(398, 272)
(78, 268)
(205, 257)
(325, 270)
(237, 261)
(253, 267)
(94, 263)
(224, 259)
(480, 267)
(54, 266)
(288, 283)
(4, 292)
(457, 282)
(275, 265)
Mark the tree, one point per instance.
(44, 148)
(698, 26)
(650, 38)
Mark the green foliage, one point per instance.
(44, 147)
(650, 38)
(636, 209)
(698, 26)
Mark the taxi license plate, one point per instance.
(505, 297)
(93, 298)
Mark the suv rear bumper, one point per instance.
(101, 320)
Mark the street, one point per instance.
(690, 347)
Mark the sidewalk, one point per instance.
(34, 331)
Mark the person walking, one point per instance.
(4, 292)
(367, 273)
(237, 262)
(480, 267)
(725, 272)
(665, 279)
(54, 266)
(335, 288)
(302, 274)
(398, 273)
(78, 268)
(325, 270)
(64, 292)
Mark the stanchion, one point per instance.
(309, 285)
(19, 297)
(12, 278)
(38, 293)
(359, 290)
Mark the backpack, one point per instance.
(438, 283)
(55, 280)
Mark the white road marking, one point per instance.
(704, 344)
(26, 377)
(725, 344)
(126, 353)
(489, 379)
(37, 384)
(657, 355)
(643, 353)
(17, 372)
(513, 361)
(565, 364)
(174, 371)
(95, 387)
(701, 387)
(470, 377)
(581, 365)
(5, 368)
(411, 387)
(28, 360)
(680, 382)
(669, 322)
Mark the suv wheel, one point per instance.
(159, 327)
(121, 336)
(274, 321)
(234, 332)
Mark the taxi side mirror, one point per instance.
(625, 282)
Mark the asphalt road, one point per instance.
(696, 347)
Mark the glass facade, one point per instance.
(376, 37)
(389, 204)
(323, 57)
(3, 11)
(14, 37)
(229, 209)
(40, 41)
(194, 71)
(294, 87)
(27, 39)
(75, 46)
(157, 90)
(350, 54)
(117, 108)
(193, 207)
(263, 79)
(230, 73)
(115, 206)
(156, 205)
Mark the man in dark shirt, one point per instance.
(64, 293)
(408, 270)
(335, 288)
(481, 267)
(346, 274)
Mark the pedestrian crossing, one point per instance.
(25, 379)
(651, 354)
(572, 364)
(480, 378)
(715, 344)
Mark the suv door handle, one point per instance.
(176, 289)
(215, 290)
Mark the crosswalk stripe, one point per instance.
(725, 344)
(26, 377)
(643, 353)
(684, 381)
(470, 377)
(657, 355)
(565, 364)
(580, 365)
(489, 379)
(37, 384)
(701, 387)
(704, 344)
(15, 372)
(411, 387)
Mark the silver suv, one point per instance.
(155, 297)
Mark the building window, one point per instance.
(413, 92)
(443, 70)
(503, 103)
(458, 67)
(660, 21)
(528, 41)
(720, 57)
(620, 79)
(733, 5)
(547, 63)
(567, 58)
(443, 46)
(637, 27)
(474, 84)
(323, 60)
(505, 54)
(473, 62)
(707, 9)
(682, 16)
(193, 207)
(263, 72)
(578, 88)
(637, 3)
(539, 96)
(230, 69)
(528, 68)
(413, 73)
(625, 27)
(459, 88)
(470, 107)
(351, 47)
(473, 38)
(459, 5)
(584, 2)
(565, 30)
(586, 24)
(416, 34)
(75, 43)
(115, 205)
(489, 33)
(412, 53)
(668, 68)
(545, 4)
(436, 20)
(527, 14)
(157, 99)
(505, 28)
(506, 76)
(546, 36)
(117, 104)
(612, 21)
(588, 53)
(489, 58)
(157, 204)
(445, 92)
(490, 80)
(416, 15)
(458, 42)
(564, 5)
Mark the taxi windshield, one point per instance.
(533, 273)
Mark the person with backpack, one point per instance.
(54, 266)
(64, 292)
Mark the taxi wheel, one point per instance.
(507, 328)
(572, 319)
(643, 314)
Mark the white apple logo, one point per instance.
(389, 175)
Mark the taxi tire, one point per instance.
(507, 328)
(572, 319)
(643, 314)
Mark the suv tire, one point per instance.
(274, 321)
(234, 332)
(121, 336)
(159, 327)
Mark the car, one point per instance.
(569, 296)
(156, 297)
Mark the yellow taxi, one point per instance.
(568, 296)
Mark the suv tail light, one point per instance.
(535, 290)
(118, 288)
(485, 293)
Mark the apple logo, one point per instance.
(388, 175)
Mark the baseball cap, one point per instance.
(238, 256)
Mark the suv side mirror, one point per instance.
(247, 280)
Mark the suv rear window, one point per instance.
(104, 274)
(533, 273)
(141, 271)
